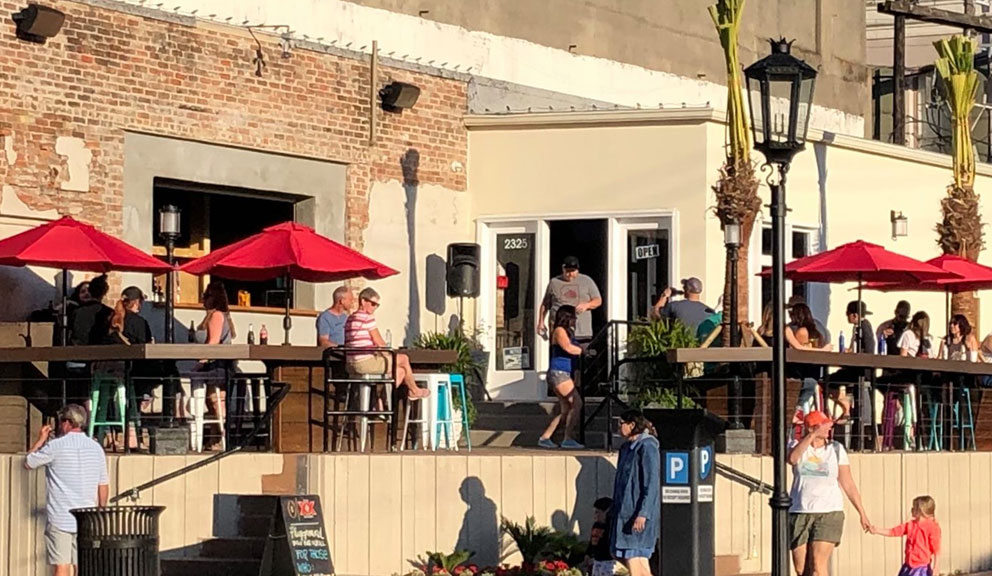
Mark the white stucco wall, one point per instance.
(439, 217)
(427, 42)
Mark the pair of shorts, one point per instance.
(556, 377)
(816, 527)
(60, 547)
(628, 553)
(377, 364)
(908, 570)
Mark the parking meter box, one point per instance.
(688, 478)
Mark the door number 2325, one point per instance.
(515, 244)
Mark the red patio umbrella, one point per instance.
(862, 262)
(69, 244)
(292, 251)
(971, 276)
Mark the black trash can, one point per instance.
(118, 540)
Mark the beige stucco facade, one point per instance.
(840, 189)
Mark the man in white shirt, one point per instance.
(76, 477)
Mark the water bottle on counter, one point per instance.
(389, 338)
(840, 342)
(263, 336)
(251, 334)
(191, 335)
(883, 346)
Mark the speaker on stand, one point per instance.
(462, 279)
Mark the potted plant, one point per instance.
(654, 376)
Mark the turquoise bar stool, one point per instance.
(458, 381)
(444, 415)
(936, 412)
(964, 418)
(104, 389)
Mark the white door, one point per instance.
(642, 264)
(514, 274)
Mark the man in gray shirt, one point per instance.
(691, 311)
(574, 289)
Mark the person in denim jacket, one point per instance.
(636, 514)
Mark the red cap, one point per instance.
(815, 418)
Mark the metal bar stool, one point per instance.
(964, 418)
(420, 435)
(110, 385)
(364, 385)
(458, 381)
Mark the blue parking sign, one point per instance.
(676, 467)
(705, 462)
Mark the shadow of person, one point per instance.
(594, 480)
(480, 527)
(560, 522)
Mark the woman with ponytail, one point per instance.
(636, 516)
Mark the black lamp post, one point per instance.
(168, 229)
(780, 93)
(732, 241)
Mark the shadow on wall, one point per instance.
(819, 294)
(594, 480)
(410, 165)
(24, 292)
(480, 527)
(437, 300)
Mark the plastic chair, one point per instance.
(198, 412)
(104, 389)
(444, 420)
(964, 421)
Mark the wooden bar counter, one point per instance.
(297, 366)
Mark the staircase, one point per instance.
(520, 424)
(239, 554)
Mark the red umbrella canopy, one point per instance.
(288, 249)
(862, 262)
(72, 245)
(970, 276)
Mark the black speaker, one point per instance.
(399, 95)
(463, 270)
(37, 23)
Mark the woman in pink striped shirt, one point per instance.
(360, 332)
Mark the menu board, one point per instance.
(304, 522)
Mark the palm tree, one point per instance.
(960, 231)
(737, 188)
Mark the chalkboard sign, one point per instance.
(303, 520)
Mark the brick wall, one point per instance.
(109, 71)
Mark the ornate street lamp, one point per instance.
(732, 241)
(169, 228)
(780, 94)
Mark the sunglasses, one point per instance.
(373, 303)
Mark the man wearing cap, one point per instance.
(574, 289)
(690, 311)
(795, 301)
(863, 338)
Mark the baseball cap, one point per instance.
(815, 418)
(852, 308)
(692, 285)
(132, 293)
(570, 263)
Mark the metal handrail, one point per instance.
(750, 482)
(274, 401)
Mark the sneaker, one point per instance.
(546, 443)
(572, 445)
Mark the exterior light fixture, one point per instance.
(169, 220)
(38, 23)
(900, 225)
(732, 234)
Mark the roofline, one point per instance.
(696, 115)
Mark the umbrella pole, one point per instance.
(947, 317)
(287, 321)
(65, 325)
(857, 330)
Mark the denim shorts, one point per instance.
(556, 377)
(628, 553)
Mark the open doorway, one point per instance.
(587, 241)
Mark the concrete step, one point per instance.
(210, 567)
(257, 505)
(238, 548)
(529, 438)
(254, 526)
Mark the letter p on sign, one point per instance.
(676, 468)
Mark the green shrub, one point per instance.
(654, 380)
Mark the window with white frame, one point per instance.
(799, 242)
